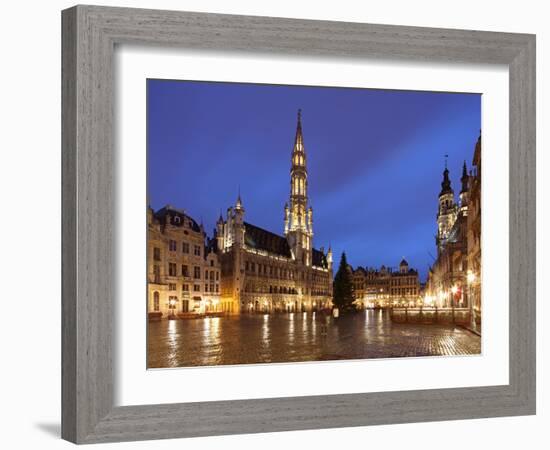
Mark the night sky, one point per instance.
(375, 159)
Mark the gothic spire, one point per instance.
(464, 179)
(300, 218)
(239, 204)
(446, 183)
(299, 139)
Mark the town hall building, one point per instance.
(265, 271)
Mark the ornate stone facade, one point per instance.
(183, 274)
(385, 287)
(264, 271)
(455, 275)
(474, 231)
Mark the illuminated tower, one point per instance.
(329, 257)
(220, 238)
(298, 216)
(446, 214)
(238, 222)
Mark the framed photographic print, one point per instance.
(278, 224)
(268, 296)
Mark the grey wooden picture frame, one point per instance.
(90, 34)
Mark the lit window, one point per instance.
(172, 302)
(156, 301)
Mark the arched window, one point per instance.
(156, 301)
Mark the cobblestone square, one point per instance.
(298, 337)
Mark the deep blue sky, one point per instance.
(375, 159)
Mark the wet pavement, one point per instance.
(259, 338)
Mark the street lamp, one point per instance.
(471, 279)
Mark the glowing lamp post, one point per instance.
(471, 278)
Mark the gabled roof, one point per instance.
(161, 214)
(318, 258)
(258, 238)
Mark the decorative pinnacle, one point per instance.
(239, 203)
(299, 138)
(446, 183)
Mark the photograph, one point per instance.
(261, 225)
(292, 224)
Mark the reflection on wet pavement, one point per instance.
(263, 338)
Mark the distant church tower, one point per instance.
(298, 216)
(447, 212)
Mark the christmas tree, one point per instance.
(343, 287)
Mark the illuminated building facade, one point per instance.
(183, 272)
(474, 231)
(264, 271)
(447, 276)
(385, 287)
(455, 275)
